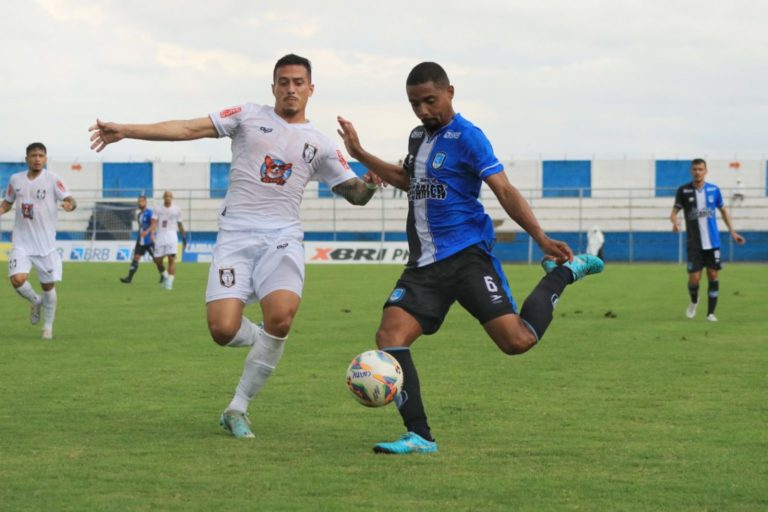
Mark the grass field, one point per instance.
(625, 405)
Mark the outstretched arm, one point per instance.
(358, 191)
(105, 133)
(520, 211)
(5, 206)
(388, 172)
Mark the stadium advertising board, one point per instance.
(315, 252)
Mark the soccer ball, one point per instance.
(375, 378)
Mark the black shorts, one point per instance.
(699, 258)
(141, 250)
(472, 276)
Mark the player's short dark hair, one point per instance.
(293, 60)
(697, 161)
(37, 145)
(428, 72)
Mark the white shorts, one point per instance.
(249, 265)
(48, 266)
(165, 250)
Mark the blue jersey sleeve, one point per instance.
(481, 155)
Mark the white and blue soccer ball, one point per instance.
(374, 378)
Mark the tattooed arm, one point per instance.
(358, 191)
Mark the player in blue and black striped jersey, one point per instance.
(699, 200)
(450, 239)
(145, 243)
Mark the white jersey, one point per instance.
(167, 219)
(34, 228)
(272, 162)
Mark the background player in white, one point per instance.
(258, 254)
(698, 200)
(36, 192)
(166, 224)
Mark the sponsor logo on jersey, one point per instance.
(417, 133)
(439, 160)
(426, 188)
(282, 246)
(701, 213)
(27, 210)
(265, 129)
(40, 194)
(397, 295)
(230, 112)
(275, 171)
(309, 152)
(227, 277)
(450, 134)
(342, 161)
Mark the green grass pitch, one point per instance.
(624, 405)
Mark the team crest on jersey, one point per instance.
(397, 295)
(27, 210)
(438, 161)
(309, 152)
(40, 194)
(275, 171)
(265, 129)
(227, 277)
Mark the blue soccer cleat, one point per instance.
(237, 424)
(409, 443)
(582, 265)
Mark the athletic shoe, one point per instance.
(691, 311)
(411, 442)
(47, 333)
(126, 280)
(237, 424)
(34, 312)
(711, 317)
(168, 284)
(581, 266)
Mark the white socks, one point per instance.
(49, 306)
(259, 365)
(246, 335)
(28, 292)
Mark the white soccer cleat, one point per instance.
(711, 317)
(34, 312)
(691, 311)
(47, 333)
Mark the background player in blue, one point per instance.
(698, 200)
(144, 243)
(450, 239)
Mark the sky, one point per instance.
(543, 79)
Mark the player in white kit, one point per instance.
(166, 225)
(36, 193)
(258, 254)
